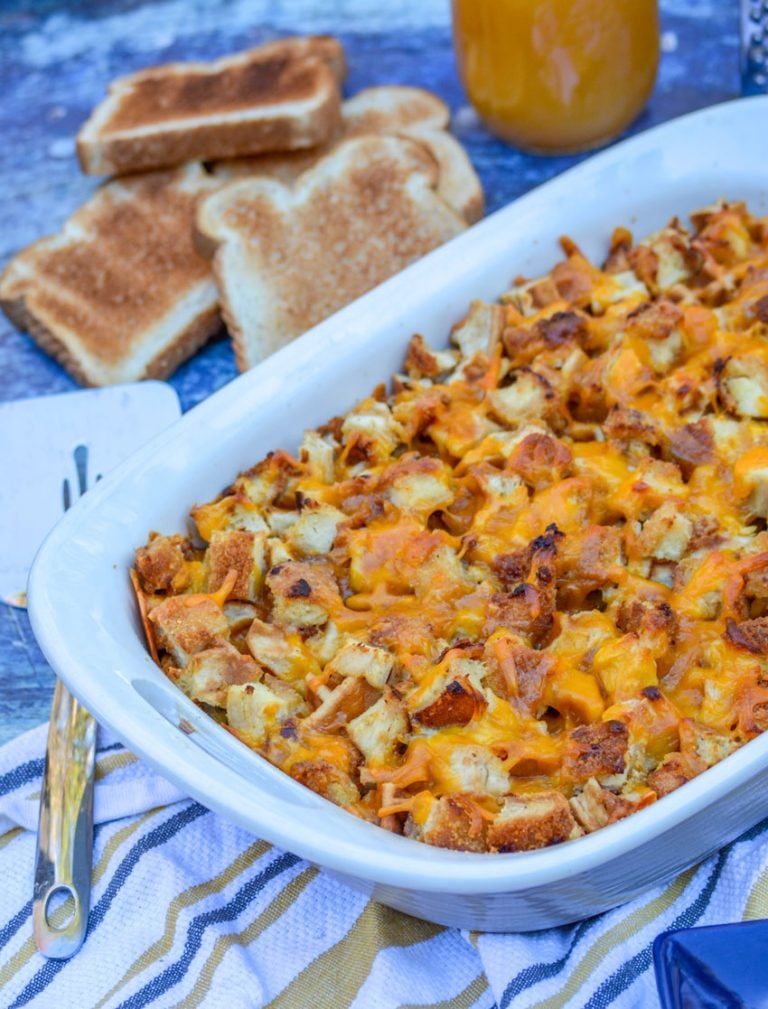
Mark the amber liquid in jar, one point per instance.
(557, 76)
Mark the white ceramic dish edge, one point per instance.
(83, 615)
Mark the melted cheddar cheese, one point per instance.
(525, 592)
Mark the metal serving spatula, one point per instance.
(57, 446)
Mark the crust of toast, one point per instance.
(389, 109)
(120, 294)
(324, 47)
(286, 258)
(281, 96)
(458, 183)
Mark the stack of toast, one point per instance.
(245, 189)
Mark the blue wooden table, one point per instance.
(57, 57)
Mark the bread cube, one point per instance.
(378, 730)
(476, 770)
(359, 659)
(185, 625)
(666, 534)
(525, 822)
(303, 593)
(315, 529)
(209, 674)
(452, 822)
(243, 552)
(255, 708)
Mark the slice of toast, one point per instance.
(286, 258)
(121, 293)
(392, 108)
(276, 97)
(458, 183)
(389, 109)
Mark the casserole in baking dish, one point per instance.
(523, 594)
(86, 624)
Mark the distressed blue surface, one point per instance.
(55, 62)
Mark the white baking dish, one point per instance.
(84, 617)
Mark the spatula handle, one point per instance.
(65, 829)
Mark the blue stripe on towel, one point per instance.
(175, 972)
(630, 971)
(536, 972)
(13, 925)
(625, 975)
(9, 930)
(21, 775)
(24, 773)
(153, 839)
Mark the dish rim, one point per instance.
(409, 864)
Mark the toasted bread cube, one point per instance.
(588, 807)
(474, 769)
(596, 751)
(268, 480)
(319, 453)
(372, 427)
(452, 822)
(749, 635)
(340, 705)
(424, 362)
(420, 485)
(442, 567)
(705, 744)
(378, 730)
(246, 515)
(327, 780)
(239, 615)
(625, 666)
(303, 593)
(526, 610)
(596, 807)
(458, 704)
(280, 520)
(160, 562)
(750, 482)
(674, 770)
(257, 708)
(629, 426)
(324, 643)
(271, 649)
(231, 511)
(479, 331)
(277, 552)
(501, 487)
(667, 533)
(315, 529)
(529, 296)
(209, 674)
(185, 625)
(540, 459)
(243, 552)
(455, 696)
(665, 353)
(530, 398)
(658, 481)
(359, 659)
(525, 822)
(743, 387)
(669, 247)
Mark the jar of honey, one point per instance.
(557, 76)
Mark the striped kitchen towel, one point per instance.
(189, 910)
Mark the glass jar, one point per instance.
(557, 76)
